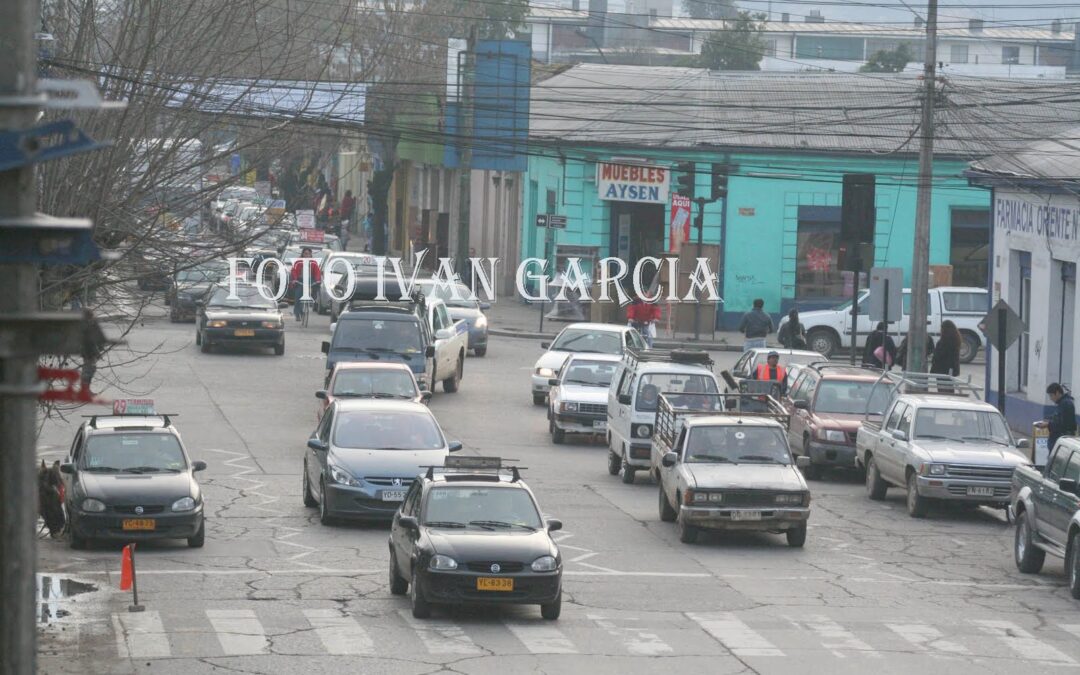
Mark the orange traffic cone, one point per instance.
(126, 572)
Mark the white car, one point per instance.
(579, 400)
(589, 338)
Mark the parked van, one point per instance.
(635, 395)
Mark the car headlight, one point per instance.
(93, 506)
(545, 563)
(790, 498)
(217, 323)
(442, 562)
(271, 324)
(185, 504)
(341, 476)
(643, 430)
(481, 322)
(933, 469)
(832, 435)
(545, 372)
(568, 406)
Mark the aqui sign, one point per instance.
(632, 183)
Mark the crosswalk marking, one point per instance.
(1023, 642)
(835, 637)
(927, 638)
(735, 635)
(238, 631)
(540, 639)
(638, 641)
(341, 635)
(140, 635)
(440, 636)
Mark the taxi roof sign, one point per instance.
(133, 406)
(458, 462)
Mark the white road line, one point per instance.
(441, 637)
(541, 639)
(637, 641)
(736, 636)
(246, 571)
(928, 638)
(239, 631)
(341, 635)
(140, 635)
(1023, 642)
(835, 637)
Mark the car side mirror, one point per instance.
(443, 334)
(68, 468)
(1023, 443)
(430, 351)
(802, 405)
(484, 306)
(669, 459)
(802, 462)
(899, 435)
(1067, 485)
(321, 394)
(425, 396)
(198, 465)
(545, 345)
(325, 347)
(554, 524)
(624, 399)
(553, 382)
(317, 445)
(409, 522)
(454, 446)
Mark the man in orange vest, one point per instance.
(772, 370)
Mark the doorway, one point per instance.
(637, 231)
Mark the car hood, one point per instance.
(840, 421)
(582, 394)
(475, 545)
(745, 476)
(551, 359)
(386, 463)
(984, 454)
(194, 288)
(469, 314)
(217, 313)
(133, 488)
(412, 359)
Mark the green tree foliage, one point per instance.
(739, 46)
(889, 61)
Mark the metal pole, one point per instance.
(887, 322)
(920, 262)
(700, 224)
(855, 303)
(465, 133)
(1002, 317)
(136, 607)
(18, 372)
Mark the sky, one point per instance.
(1009, 12)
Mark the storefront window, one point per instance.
(817, 271)
(970, 250)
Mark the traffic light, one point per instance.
(719, 181)
(686, 179)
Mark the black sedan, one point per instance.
(246, 318)
(189, 287)
(129, 479)
(474, 538)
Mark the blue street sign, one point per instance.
(43, 143)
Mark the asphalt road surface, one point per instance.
(273, 591)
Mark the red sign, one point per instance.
(680, 221)
(312, 235)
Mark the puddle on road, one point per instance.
(53, 592)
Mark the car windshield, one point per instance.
(654, 384)
(737, 444)
(589, 373)
(370, 382)
(961, 425)
(584, 340)
(387, 430)
(463, 298)
(133, 452)
(246, 297)
(851, 398)
(336, 264)
(486, 507)
(201, 274)
(395, 335)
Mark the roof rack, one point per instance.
(934, 384)
(475, 468)
(823, 365)
(698, 357)
(165, 416)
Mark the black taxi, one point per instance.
(471, 532)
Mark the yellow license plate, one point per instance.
(139, 524)
(494, 584)
(244, 332)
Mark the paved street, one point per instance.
(273, 591)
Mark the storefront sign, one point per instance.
(305, 219)
(746, 210)
(680, 221)
(1045, 220)
(632, 183)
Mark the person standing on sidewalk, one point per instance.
(1063, 421)
(643, 316)
(755, 326)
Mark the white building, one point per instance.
(1035, 250)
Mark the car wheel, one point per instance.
(309, 499)
(627, 473)
(558, 436)
(1072, 566)
(174, 317)
(916, 504)
(969, 347)
(324, 509)
(205, 346)
(667, 513)
(1029, 557)
(876, 486)
(76, 541)
(688, 534)
(198, 338)
(614, 463)
(823, 342)
(552, 610)
(200, 537)
(421, 608)
(279, 348)
(480, 351)
(399, 585)
(450, 385)
(796, 537)
(538, 399)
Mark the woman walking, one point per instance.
(880, 351)
(793, 334)
(946, 360)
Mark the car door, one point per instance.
(316, 464)
(1065, 504)
(633, 339)
(885, 449)
(741, 369)
(799, 426)
(669, 474)
(897, 450)
(622, 415)
(863, 323)
(400, 537)
(442, 351)
(1047, 522)
(74, 457)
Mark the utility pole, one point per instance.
(920, 261)
(18, 371)
(466, 137)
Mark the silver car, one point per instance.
(578, 397)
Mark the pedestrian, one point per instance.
(772, 371)
(793, 333)
(880, 350)
(348, 205)
(1063, 421)
(755, 326)
(902, 350)
(946, 360)
(643, 316)
(296, 278)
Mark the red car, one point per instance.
(371, 379)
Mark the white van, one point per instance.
(828, 330)
(635, 394)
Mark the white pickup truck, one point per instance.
(829, 330)
(940, 443)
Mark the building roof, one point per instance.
(668, 107)
(1050, 160)
(910, 32)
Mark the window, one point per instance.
(634, 339)
(905, 421)
(392, 335)
(372, 382)
(588, 373)
(1010, 55)
(408, 507)
(770, 48)
(1057, 465)
(732, 443)
(597, 342)
(894, 418)
(384, 430)
(323, 432)
(797, 391)
(742, 366)
(627, 384)
(464, 505)
(966, 425)
(835, 48)
(817, 267)
(137, 452)
(1072, 470)
(851, 398)
(966, 302)
(958, 54)
(969, 247)
(654, 384)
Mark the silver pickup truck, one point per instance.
(939, 442)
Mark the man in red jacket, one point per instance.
(641, 314)
(296, 278)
